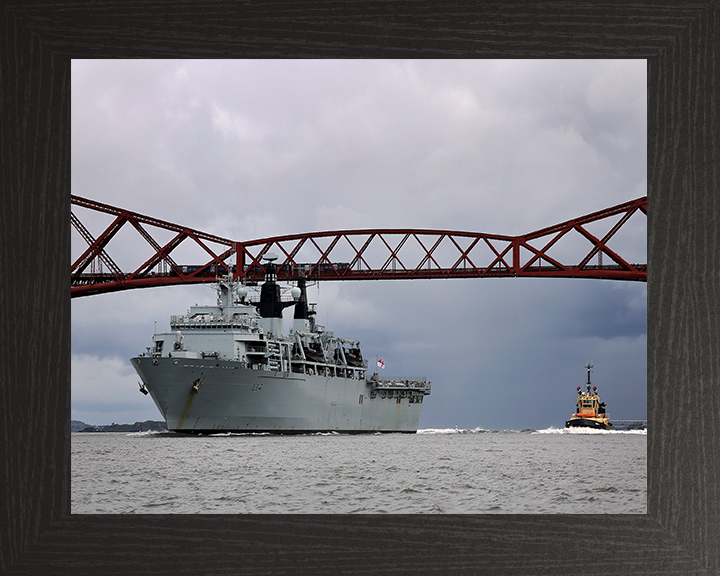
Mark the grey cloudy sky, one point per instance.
(251, 149)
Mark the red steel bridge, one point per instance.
(578, 248)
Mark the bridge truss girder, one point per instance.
(378, 254)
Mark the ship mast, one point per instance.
(588, 366)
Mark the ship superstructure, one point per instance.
(590, 411)
(231, 368)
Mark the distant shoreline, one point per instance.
(148, 425)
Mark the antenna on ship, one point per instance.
(589, 367)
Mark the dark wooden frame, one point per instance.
(681, 531)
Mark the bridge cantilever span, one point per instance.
(566, 250)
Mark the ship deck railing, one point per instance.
(400, 383)
(223, 321)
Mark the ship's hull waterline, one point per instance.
(587, 423)
(208, 396)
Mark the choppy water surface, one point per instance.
(575, 471)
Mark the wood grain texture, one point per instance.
(681, 532)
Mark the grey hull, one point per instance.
(209, 396)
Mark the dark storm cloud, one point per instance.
(604, 314)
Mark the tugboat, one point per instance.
(590, 411)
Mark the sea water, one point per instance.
(569, 471)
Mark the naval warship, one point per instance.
(590, 411)
(231, 368)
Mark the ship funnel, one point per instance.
(301, 308)
(270, 304)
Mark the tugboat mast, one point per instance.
(588, 366)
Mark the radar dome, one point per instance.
(270, 256)
(295, 292)
(242, 292)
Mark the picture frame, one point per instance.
(679, 534)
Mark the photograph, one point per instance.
(359, 286)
